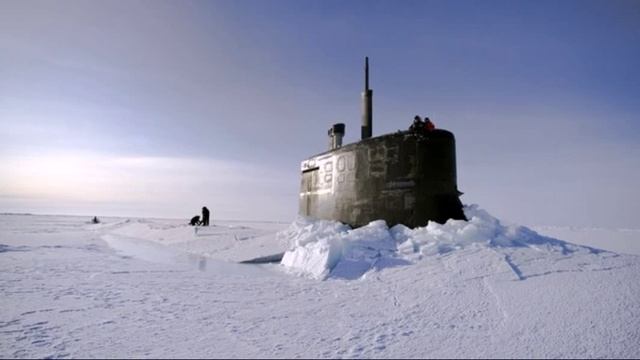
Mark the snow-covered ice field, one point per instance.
(157, 288)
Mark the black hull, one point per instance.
(403, 178)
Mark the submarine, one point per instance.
(408, 177)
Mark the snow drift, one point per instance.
(321, 249)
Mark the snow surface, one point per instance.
(624, 241)
(157, 288)
(321, 249)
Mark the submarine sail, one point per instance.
(408, 177)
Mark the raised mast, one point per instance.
(367, 104)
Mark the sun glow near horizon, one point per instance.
(155, 181)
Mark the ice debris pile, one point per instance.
(321, 249)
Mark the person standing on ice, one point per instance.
(205, 216)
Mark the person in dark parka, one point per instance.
(195, 221)
(205, 216)
(417, 126)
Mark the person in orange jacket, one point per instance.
(428, 125)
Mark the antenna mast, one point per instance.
(367, 104)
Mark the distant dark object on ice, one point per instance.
(95, 220)
(205, 216)
(195, 220)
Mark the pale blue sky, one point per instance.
(155, 108)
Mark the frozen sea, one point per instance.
(157, 288)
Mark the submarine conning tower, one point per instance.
(408, 177)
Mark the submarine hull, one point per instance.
(403, 178)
